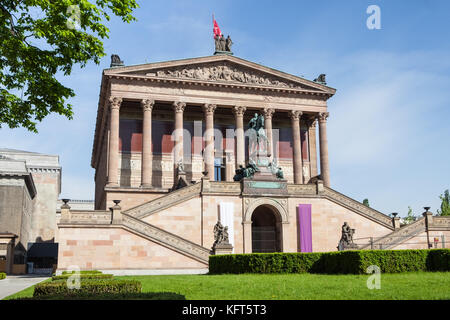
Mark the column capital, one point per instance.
(209, 108)
(322, 116)
(178, 106)
(147, 104)
(311, 121)
(268, 112)
(295, 114)
(239, 110)
(115, 102)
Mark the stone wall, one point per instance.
(115, 248)
(16, 212)
(45, 204)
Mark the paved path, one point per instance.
(13, 284)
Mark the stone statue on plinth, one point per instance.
(228, 44)
(259, 155)
(346, 241)
(222, 45)
(115, 61)
(321, 79)
(221, 240)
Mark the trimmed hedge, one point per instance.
(82, 272)
(342, 262)
(116, 296)
(84, 276)
(2, 275)
(87, 288)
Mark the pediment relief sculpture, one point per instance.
(226, 73)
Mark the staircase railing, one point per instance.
(164, 202)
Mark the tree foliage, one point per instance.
(38, 39)
(410, 218)
(445, 204)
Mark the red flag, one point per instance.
(216, 29)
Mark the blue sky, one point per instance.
(388, 127)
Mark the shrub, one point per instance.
(117, 296)
(88, 287)
(342, 262)
(84, 276)
(438, 260)
(82, 272)
(2, 275)
(263, 263)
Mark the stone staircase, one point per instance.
(166, 238)
(358, 207)
(397, 237)
(166, 201)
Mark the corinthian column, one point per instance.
(113, 159)
(209, 139)
(146, 160)
(312, 122)
(324, 164)
(178, 108)
(240, 140)
(268, 113)
(298, 159)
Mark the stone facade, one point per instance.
(168, 139)
(29, 189)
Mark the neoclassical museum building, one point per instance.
(168, 141)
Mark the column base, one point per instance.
(112, 185)
(146, 186)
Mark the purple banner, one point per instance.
(304, 227)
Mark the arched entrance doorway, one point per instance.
(266, 230)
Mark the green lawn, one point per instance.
(418, 285)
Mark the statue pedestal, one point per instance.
(223, 248)
(350, 246)
(180, 181)
(229, 53)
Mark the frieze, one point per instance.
(90, 217)
(438, 222)
(224, 187)
(302, 189)
(225, 72)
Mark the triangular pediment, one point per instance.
(221, 69)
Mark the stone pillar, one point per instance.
(65, 210)
(229, 167)
(268, 113)
(312, 146)
(209, 139)
(247, 226)
(324, 164)
(113, 157)
(116, 213)
(240, 138)
(396, 222)
(297, 146)
(284, 236)
(146, 160)
(178, 108)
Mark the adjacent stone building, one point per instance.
(169, 138)
(29, 187)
